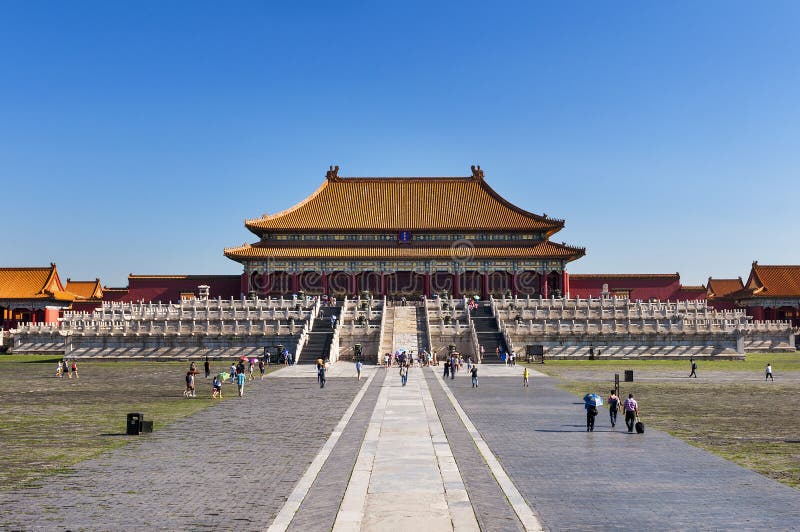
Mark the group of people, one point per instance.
(629, 406)
(68, 368)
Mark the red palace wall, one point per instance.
(666, 287)
(166, 289)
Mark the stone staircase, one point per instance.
(405, 329)
(320, 337)
(387, 340)
(489, 335)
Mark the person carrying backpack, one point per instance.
(613, 408)
(694, 368)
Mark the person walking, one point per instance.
(613, 408)
(66, 369)
(75, 369)
(207, 367)
(189, 384)
(333, 321)
(216, 388)
(694, 368)
(359, 365)
(591, 413)
(404, 374)
(446, 368)
(631, 411)
(240, 379)
(321, 376)
(261, 368)
(525, 376)
(474, 372)
(60, 370)
(233, 372)
(769, 373)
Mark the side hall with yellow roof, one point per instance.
(32, 294)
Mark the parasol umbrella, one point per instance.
(253, 360)
(224, 375)
(592, 399)
(243, 357)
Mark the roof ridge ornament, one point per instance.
(333, 173)
(477, 173)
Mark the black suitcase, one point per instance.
(639, 427)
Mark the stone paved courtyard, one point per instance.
(234, 465)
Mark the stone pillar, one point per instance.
(543, 288)
(456, 284)
(485, 285)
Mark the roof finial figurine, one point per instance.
(333, 173)
(477, 173)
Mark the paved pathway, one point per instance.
(230, 466)
(379, 456)
(611, 479)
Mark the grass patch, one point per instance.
(749, 423)
(48, 425)
(781, 362)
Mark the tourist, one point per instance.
(591, 413)
(333, 321)
(60, 370)
(358, 369)
(216, 388)
(75, 369)
(321, 376)
(525, 377)
(474, 372)
(319, 365)
(207, 367)
(285, 357)
(769, 373)
(261, 368)
(613, 408)
(631, 411)
(193, 368)
(694, 368)
(250, 369)
(404, 374)
(446, 368)
(189, 391)
(386, 359)
(233, 372)
(240, 378)
(513, 359)
(66, 369)
(482, 352)
(469, 363)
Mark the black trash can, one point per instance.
(628, 375)
(134, 424)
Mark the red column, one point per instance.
(244, 284)
(353, 283)
(383, 284)
(485, 285)
(324, 283)
(564, 284)
(514, 282)
(456, 284)
(543, 289)
(295, 283)
(428, 289)
(33, 316)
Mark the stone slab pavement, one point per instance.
(609, 479)
(230, 466)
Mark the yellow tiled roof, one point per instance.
(398, 204)
(32, 283)
(545, 249)
(85, 289)
(723, 287)
(774, 281)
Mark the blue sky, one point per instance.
(137, 137)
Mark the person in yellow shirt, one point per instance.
(525, 375)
